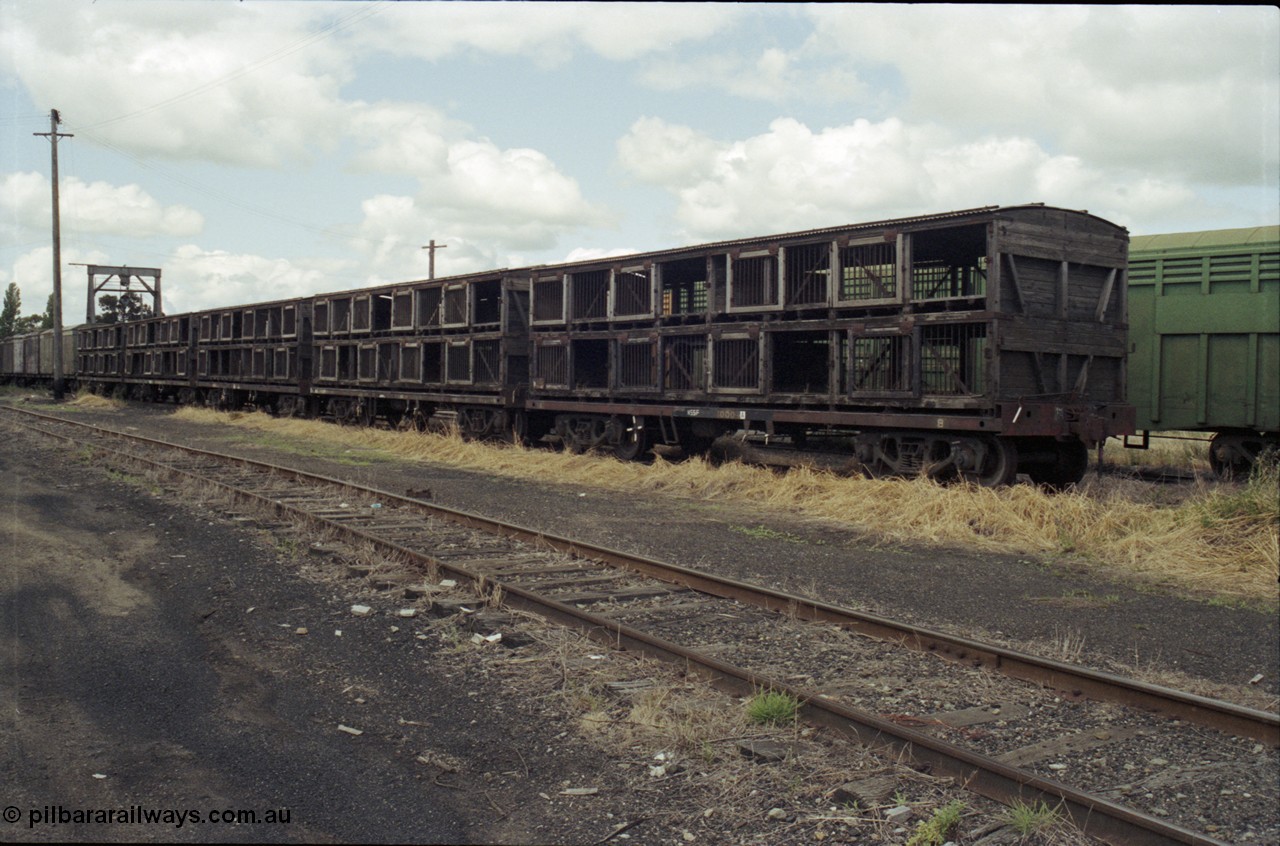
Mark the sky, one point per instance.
(262, 150)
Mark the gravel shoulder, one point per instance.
(163, 659)
(156, 657)
(1046, 605)
(164, 655)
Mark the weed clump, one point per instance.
(1027, 819)
(772, 708)
(934, 831)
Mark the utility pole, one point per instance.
(53, 135)
(431, 257)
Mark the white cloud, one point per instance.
(549, 33)
(229, 83)
(400, 138)
(791, 177)
(1191, 90)
(591, 253)
(33, 273)
(395, 228)
(470, 190)
(213, 278)
(666, 154)
(774, 75)
(96, 207)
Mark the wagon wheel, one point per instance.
(999, 464)
(1233, 456)
(574, 445)
(634, 441)
(1073, 461)
(1068, 468)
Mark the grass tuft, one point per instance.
(771, 708)
(934, 831)
(1029, 819)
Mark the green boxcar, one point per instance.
(1204, 330)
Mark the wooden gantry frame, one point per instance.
(122, 279)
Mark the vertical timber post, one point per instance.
(53, 135)
(431, 248)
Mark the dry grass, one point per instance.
(91, 401)
(1221, 539)
(1174, 450)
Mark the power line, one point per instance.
(205, 189)
(229, 199)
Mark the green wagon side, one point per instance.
(1204, 318)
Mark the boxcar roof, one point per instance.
(1252, 236)
(668, 252)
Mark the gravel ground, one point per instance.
(262, 691)
(1025, 601)
(166, 657)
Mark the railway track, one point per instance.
(982, 723)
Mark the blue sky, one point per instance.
(260, 150)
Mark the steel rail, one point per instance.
(1075, 681)
(1094, 815)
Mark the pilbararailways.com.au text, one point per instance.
(55, 815)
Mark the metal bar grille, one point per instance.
(341, 316)
(388, 362)
(458, 362)
(360, 314)
(684, 363)
(590, 295)
(953, 359)
(755, 282)
(636, 364)
(736, 364)
(410, 364)
(869, 271)
(402, 310)
(551, 366)
(808, 268)
(487, 362)
(548, 299)
(936, 279)
(880, 365)
(429, 300)
(455, 306)
(368, 364)
(632, 293)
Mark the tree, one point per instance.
(9, 315)
(127, 306)
(30, 323)
(46, 319)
